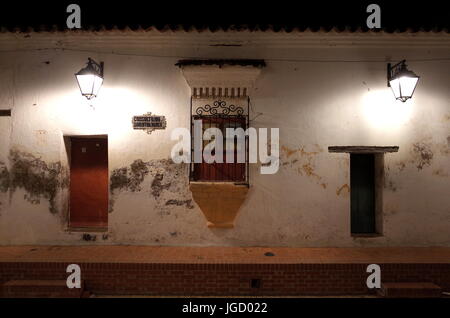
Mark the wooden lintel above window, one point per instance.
(5, 112)
(363, 149)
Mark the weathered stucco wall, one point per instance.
(314, 104)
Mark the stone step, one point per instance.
(40, 289)
(410, 290)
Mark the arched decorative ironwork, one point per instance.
(219, 108)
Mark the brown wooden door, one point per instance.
(89, 182)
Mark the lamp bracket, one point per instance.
(98, 67)
(394, 70)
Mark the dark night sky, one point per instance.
(395, 14)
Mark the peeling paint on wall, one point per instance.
(89, 238)
(129, 178)
(118, 180)
(4, 183)
(302, 161)
(344, 190)
(423, 154)
(187, 203)
(39, 179)
(158, 186)
(167, 183)
(4, 178)
(401, 166)
(390, 185)
(308, 169)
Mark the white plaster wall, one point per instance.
(314, 104)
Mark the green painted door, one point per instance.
(362, 192)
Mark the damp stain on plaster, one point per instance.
(39, 179)
(390, 185)
(401, 166)
(118, 179)
(138, 171)
(289, 152)
(440, 173)
(344, 190)
(308, 169)
(4, 178)
(161, 180)
(302, 161)
(159, 239)
(158, 185)
(129, 178)
(187, 203)
(89, 237)
(422, 154)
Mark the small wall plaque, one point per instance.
(149, 122)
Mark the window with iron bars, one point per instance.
(219, 117)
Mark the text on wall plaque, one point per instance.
(149, 122)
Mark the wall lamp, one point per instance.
(90, 78)
(402, 81)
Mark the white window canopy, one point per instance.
(221, 78)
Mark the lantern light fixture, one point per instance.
(402, 81)
(90, 78)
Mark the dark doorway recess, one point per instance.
(88, 182)
(362, 193)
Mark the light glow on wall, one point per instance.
(109, 113)
(381, 111)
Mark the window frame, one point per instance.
(193, 176)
